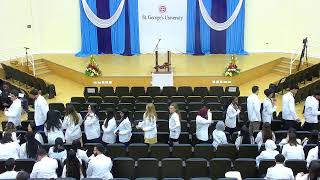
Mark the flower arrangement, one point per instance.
(92, 69)
(232, 68)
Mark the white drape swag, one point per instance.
(219, 26)
(102, 23)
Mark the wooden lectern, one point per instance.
(163, 75)
(166, 67)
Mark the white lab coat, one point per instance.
(284, 142)
(266, 154)
(279, 171)
(239, 141)
(54, 134)
(81, 154)
(59, 156)
(100, 167)
(231, 116)
(259, 138)
(41, 109)
(73, 131)
(13, 113)
(39, 138)
(45, 168)
(202, 126)
(108, 132)
(149, 127)
(268, 110)
(253, 107)
(288, 107)
(174, 126)
(92, 127)
(219, 137)
(9, 150)
(312, 155)
(293, 152)
(125, 131)
(311, 111)
(9, 175)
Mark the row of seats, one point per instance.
(307, 90)
(165, 91)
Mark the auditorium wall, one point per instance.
(271, 26)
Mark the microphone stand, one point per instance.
(26, 48)
(157, 46)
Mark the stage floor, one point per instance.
(183, 65)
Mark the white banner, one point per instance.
(164, 20)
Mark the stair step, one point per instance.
(285, 66)
(38, 63)
(42, 71)
(296, 63)
(280, 70)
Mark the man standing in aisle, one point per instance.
(311, 111)
(253, 107)
(289, 114)
(13, 113)
(41, 109)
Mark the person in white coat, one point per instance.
(269, 106)
(285, 140)
(314, 172)
(13, 113)
(58, 152)
(265, 134)
(9, 166)
(72, 166)
(314, 154)
(33, 129)
(45, 167)
(218, 135)
(53, 127)
(124, 129)
(108, 127)
(203, 121)
(244, 137)
(92, 126)
(269, 153)
(72, 124)
(149, 124)
(279, 171)
(41, 109)
(289, 114)
(30, 147)
(8, 147)
(174, 124)
(233, 112)
(311, 111)
(81, 154)
(100, 165)
(293, 150)
(253, 107)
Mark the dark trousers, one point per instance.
(40, 128)
(310, 126)
(173, 141)
(97, 140)
(291, 124)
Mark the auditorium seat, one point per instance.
(161, 99)
(196, 99)
(105, 106)
(147, 167)
(216, 91)
(138, 115)
(24, 165)
(264, 165)
(200, 91)
(169, 91)
(106, 91)
(111, 99)
(192, 127)
(161, 106)
(204, 151)
(193, 115)
(184, 138)
(214, 106)
(246, 167)
(94, 99)
(183, 151)
(297, 165)
(184, 126)
(219, 166)
(201, 178)
(128, 106)
(211, 99)
(226, 151)
(122, 91)
(137, 137)
(182, 106)
(164, 115)
(91, 91)
(140, 106)
(159, 151)
(242, 99)
(227, 179)
(176, 99)
(138, 150)
(163, 125)
(116, 150)
(77, 106)
(307, 148)
(196, 167)
(153, 91)
(57, 106)
(89, 147)
(248, 151)
(128, 99)
(146, 178)
(171, 168)
(194, 106)
(163, 137)
(137, 91)
(123, 167)
(144, 99)
(225, 101)
(232, 91)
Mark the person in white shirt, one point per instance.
(100, 165)
(253, 107)
(311, 111)
(9, 166)
(30, 147)
(81, 154)
(269, 153)
(314, 172)
(314, 154)
(293, 150)
(312, 139)
(72, 167)
(279, 171)
(218, 135)
(45, 167)
(53, 127)
(108, 127)
(124, 129)
(233, 112)
(269, 106)
(174, 124)
(33, 129)
(288, 108)
(265, 134)
(10, 128)
(41, 109)
(8, 147)
(13, 113)
(92, 126)
(58, 151)
(284, 141)
(244, 137)
(149, 124)
(71, 123)
(203, 121)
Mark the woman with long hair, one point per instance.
(91, 125)
(11, 128)
(72, 124)
(30, 147)
(174, 124)
(72, 166)
(81, 154)
(149, 124)
(233, 112)
(108, 127)
(314, 172)
(203, 121)
(265, 134)
(58, 151)
(244, 137)
(293, 150)
(286, 139)
(9, 148)
(33, 129)
(124, 129)
(53, 127)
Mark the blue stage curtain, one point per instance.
(134, 27)
(235, 33)
(88, 32)
(218, 38)
(104, 34)
(127, 35)
(117, 29)
(191, 21)
(205, 30)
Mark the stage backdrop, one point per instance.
(129, 27)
